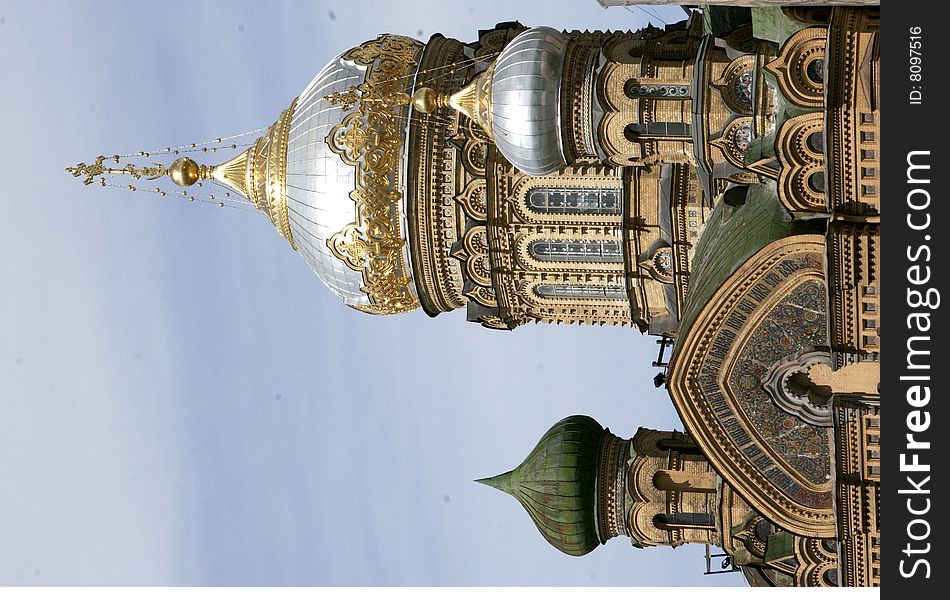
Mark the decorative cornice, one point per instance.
(612, 459)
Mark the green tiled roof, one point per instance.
(731, 236)
(780, 545)
(556, 484)
(770, 23)
(722, 20)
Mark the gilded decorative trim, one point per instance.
(260, 173)
(277, 171)
(371, 140)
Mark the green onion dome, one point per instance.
(557, 484)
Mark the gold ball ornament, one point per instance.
(184, 171)
(425, 100)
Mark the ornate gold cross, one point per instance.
(96, 169)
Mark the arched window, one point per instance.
(743, 87)
(816, 142)
(599, 251)
(579, 290)
(679, 445)
(635, 131)
(682, 519)
(815, 70)
(575, 201)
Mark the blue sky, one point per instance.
(186, 404)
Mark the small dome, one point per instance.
(525, 101)
(557, 484)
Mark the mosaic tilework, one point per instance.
(796, 322)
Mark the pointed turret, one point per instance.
(499, 482)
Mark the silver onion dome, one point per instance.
(322, 183)
(525, 101)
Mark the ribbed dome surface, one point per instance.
(556, 484)
(525, 101)
(319, 183)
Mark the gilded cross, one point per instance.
(97, 168)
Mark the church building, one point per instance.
(714, 182)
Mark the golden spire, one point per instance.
(183, 172)
(259, 174)
(473, 100)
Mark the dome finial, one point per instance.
(427, 100)
(185, 172)
(473, 100)
(499, 482)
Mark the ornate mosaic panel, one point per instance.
(795, 323)
(772, 307)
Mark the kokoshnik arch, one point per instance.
(714, 182)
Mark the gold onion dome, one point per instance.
(557, 484)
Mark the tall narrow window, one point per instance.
(682, 519)
(575, 201)
(635, 131)
(683, 446)
(599, 251)
(581, 291)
